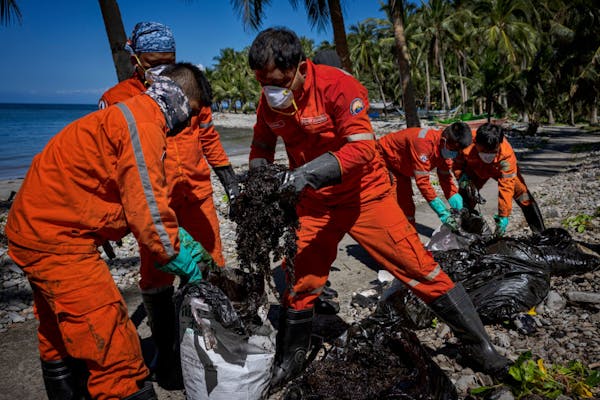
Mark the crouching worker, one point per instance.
(414, 152)
(321, 114)
(491, 156)
(99, 178)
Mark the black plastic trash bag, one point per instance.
(378, 359)
(506, 276)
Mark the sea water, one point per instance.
(26, 128)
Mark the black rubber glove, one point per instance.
(320, 172)
(230, 184)
(228, 180)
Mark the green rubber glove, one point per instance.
(185, 264)
(440, 209)
(464, 181)
(501, 224)
(456, 201)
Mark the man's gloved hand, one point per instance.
(501, 224)
(257, 163)
(456, 201)
(443, 213)
(464, 181)
(320, 172)
(230, 184)
(185, 264)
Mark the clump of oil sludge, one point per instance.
(380, 359)
(266, 221)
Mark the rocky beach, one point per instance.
(566, 328)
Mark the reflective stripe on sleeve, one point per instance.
(421, 172)
(508, 175)
(145, 179)
(360, 136)
(423, 132)
(207, 125)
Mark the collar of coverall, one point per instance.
(170, 98)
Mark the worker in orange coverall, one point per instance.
(491, 156)
(190, 191)
(320, 112)
(98, 179)
(414, 152)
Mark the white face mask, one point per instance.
(278, 97)
(487, 157)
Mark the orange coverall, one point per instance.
(503, 169)
(188, 177)
(332, 118)
(94, 181)
(415, 152)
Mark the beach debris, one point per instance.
(377, 358)
(266, 221)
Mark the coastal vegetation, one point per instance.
(535, 60)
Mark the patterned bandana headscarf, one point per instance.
(170, 98)
(151, 37)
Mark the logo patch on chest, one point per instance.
(319, 119)
(423, 157)
(356, 106)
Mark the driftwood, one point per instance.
(584, 297)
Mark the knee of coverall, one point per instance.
(383, 232)
(317, 242)
(84, 315)
(521, 194)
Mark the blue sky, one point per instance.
(60, 53)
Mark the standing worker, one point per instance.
(414, 152)
(98, 179)
(190, 190)
(491, 156)
(344, 187)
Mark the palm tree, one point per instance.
(116, 37)
(320, 12)
(366, 55)
(8, 10)
(396, 11)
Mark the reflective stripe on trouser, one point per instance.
(381, 229)
(404, 195)
(83, 315)
(521, 195)
(200, 219)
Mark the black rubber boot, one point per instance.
(457, 310)
(65, 379)
(293, 341)
(533, 216)
(163, 324)
(145, 393)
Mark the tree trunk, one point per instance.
(339, 34)
(463, 90)
(551, 120)
(428, 81)
(381, 93)
(116, 38)
(446, 95)
(594, 116)
(410, 105)
(571, 114)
